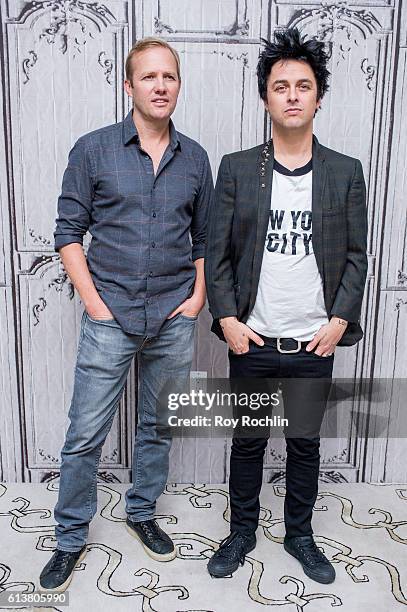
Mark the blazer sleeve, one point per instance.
(218, 265)
(348, 299)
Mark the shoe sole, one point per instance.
(309, 573)
(62, 587)
(215, 575)
(156, 556)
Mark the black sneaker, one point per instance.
(157, 544)
(313, 561)
(58, 572)
(230, 553)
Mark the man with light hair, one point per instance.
(142, 189)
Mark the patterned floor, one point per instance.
(361, 528)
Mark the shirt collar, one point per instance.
(130, 132)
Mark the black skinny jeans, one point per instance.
(304, 406)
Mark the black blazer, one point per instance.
(237, 228)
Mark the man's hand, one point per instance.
(190, 308)
(75, 264)
(237, 335)
(327, 337)
(98, 311)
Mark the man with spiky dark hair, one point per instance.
(285, 271)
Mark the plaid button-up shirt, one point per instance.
(147, 230)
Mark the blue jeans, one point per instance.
(105, 353)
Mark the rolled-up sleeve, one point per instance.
(202, 203)
(75, 201)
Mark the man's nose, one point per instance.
(292, 94)
(160, 85)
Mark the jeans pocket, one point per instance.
(182, 316)
(100, 321)
(320, 356)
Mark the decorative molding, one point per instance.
(337, 20)
(337, 458)
(237, 29)
(331, 476)
(46, 457)
(28, 63)
(107, 65)
(68, 10)
(37, 308)
(276, 477)
(103, 476)
(60, 281)
(369, 70)
(39, 262)
(399, 304)
(244, 57)
(276, 455)
(57, 283)
(160, 27)
(71, 22)
(401, 278)
(37, 239)
(111, 457)
(50, 477)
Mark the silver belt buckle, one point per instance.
(281, 350)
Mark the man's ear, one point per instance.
(128, 88)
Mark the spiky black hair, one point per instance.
(288, 44)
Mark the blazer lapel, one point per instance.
(264, 188)
(318, 186)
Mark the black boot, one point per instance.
(58, 572)
(230, 553)
(313, 561)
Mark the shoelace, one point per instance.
(150, 528)
(311, 553)
(60, 561)
(234, 551)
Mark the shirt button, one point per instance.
(148, 301)
(153, 244)
(154, 214)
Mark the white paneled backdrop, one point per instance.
(61, 68)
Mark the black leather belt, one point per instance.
(285, 345)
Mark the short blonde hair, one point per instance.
(148, 43)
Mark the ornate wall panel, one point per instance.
(11, 465)
(61, 79)
(62, 69)
(390, 318)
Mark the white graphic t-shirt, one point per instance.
(290, 299)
